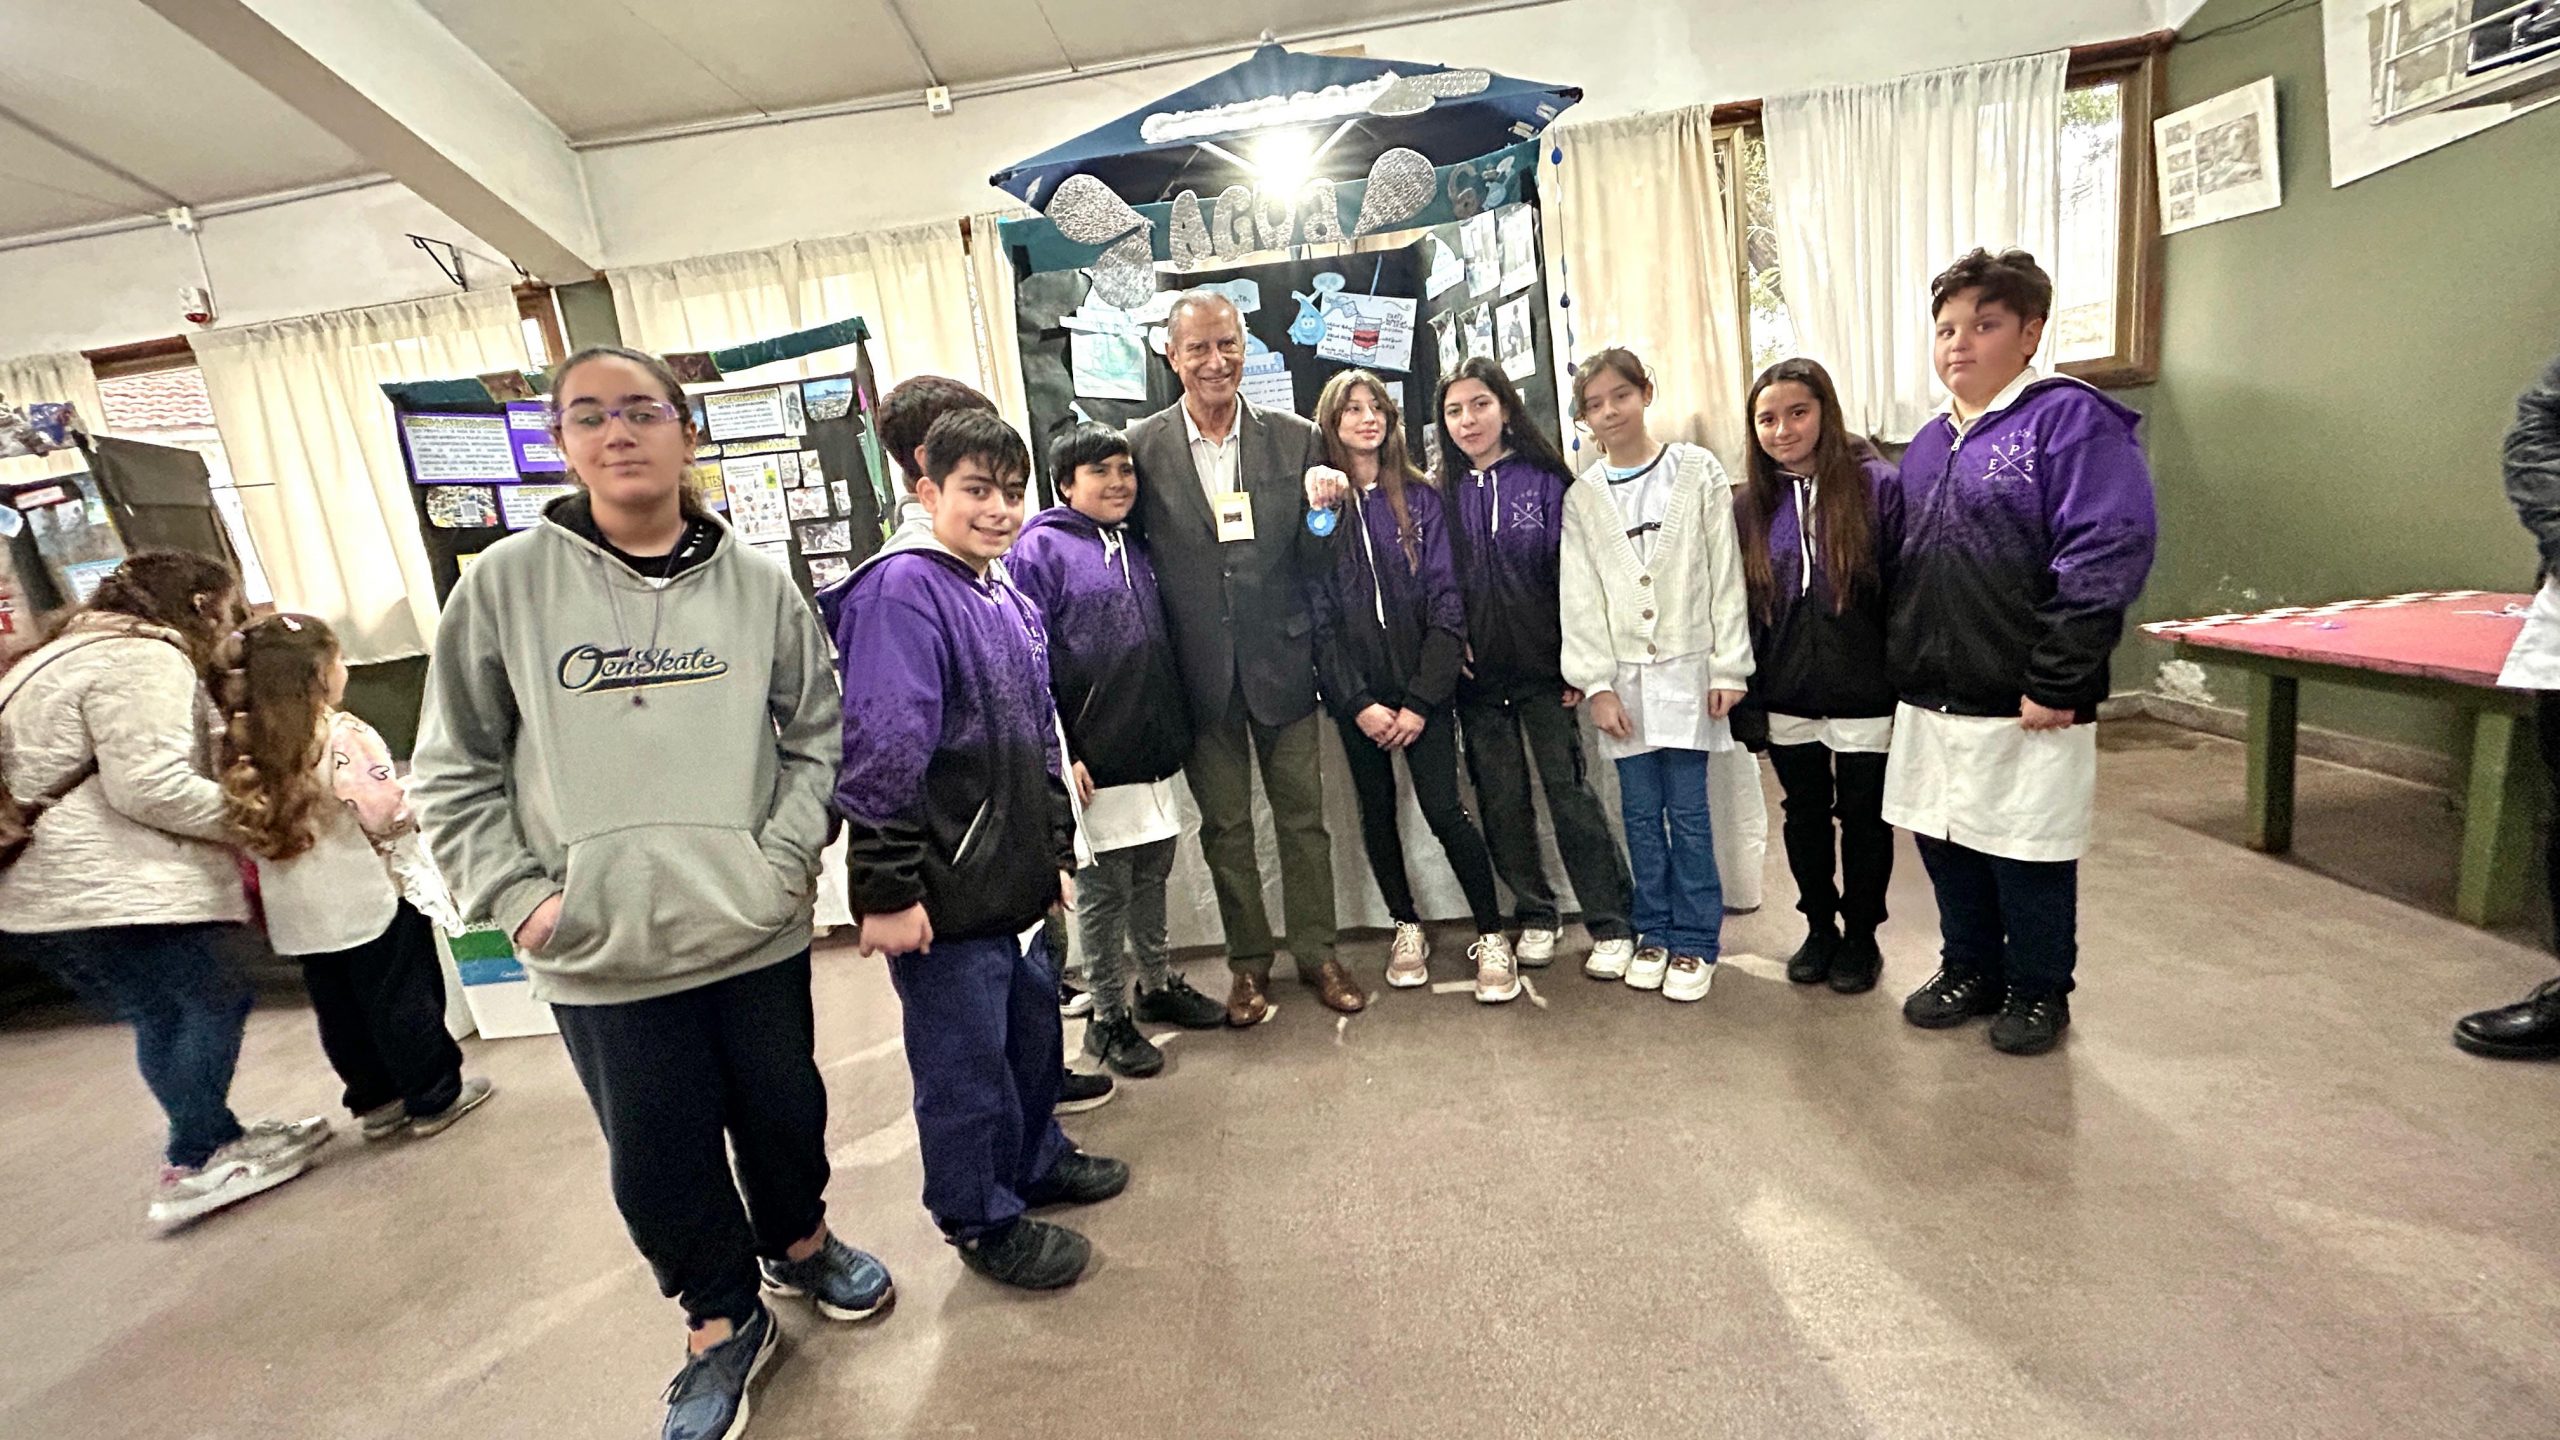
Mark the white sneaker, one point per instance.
(1497, 977)
(1647, 970)
(231, 1176)
(1408, 959)
(274, 1141)
(1608, 959)
(1537, 948)
(1688, 979)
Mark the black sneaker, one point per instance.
(1080, 1092)
(846, 1283)
(1072, 1001)
(708, 1398)
(1812, 961)
(1116, 1043)
(1856, 965)
(2527, 1030)
(1176, 1003)
(1952, 997)
(1079, 1179)
(2030, 1024)
(1029, 1255)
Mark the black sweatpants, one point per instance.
(682, 1083)
(1821, 786)
(2546, 726)
(1432, 762)
(381, 1012)
(1506, 727)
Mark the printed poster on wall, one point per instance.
(1519, 354)
(2218, 159)
(756, 509)
(458, 449)
(1370, 330)
(521, 505)
(1519, 249)
(1268, 384)
(738, 414)
(529, 433)
(461, 507)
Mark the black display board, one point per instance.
(1479, 284)
(768, 434)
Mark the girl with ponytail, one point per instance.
(346, 887)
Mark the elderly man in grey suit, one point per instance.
(1223, 502)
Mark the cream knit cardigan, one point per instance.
(1619, 611)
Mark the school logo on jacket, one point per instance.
(590, 669)
(2014, 462)
(1528, 512)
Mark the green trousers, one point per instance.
(1221, 779)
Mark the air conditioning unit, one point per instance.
(2434, 56)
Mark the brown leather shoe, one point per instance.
(1247, 1006)
(1336, 988)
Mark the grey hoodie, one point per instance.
(660, 757)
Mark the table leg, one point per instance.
(2497, 822)
(2274, 701)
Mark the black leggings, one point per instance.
(380, 1007)
(1821, 786)
(1432, 762)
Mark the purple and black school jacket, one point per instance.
(1388, 632)
(1506, 536)
(1111, 662)
(2023, 545)
(952, 789)
(1811, 659)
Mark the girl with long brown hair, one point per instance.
(1819, 518)
(1391, 633)
(1506, 486)
(128, 887)
(313, 794)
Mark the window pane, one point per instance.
(168, 407)
(2084, 274)
(1773, 330)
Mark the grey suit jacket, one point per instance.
(1238, 611)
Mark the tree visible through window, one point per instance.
(2084, 272)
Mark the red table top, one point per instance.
(2458, 636)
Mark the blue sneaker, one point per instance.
(708, 1398)
(846, 1283)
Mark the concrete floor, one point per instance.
(2255, 1194)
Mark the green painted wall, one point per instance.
(2337, 375)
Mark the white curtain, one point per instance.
(42, 379)
(1878, 188)
(1638, 239)
(911, 286)
(991, 293)
(317, 455)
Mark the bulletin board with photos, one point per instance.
(1464, 288)
(789, 464)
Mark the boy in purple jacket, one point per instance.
(960, 839)
(2027, 533)
(1111, 668)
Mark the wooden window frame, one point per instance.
(2141, 65)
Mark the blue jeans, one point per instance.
(2017, 921)
(187, 1006)
(1679, 898)
(986, 1053)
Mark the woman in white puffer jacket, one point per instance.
(128, 879)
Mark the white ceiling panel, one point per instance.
(976, 41)
(600, 67)
(114, 79)
(1099, 31)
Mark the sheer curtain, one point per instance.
(1636, 219)
(991, 291)
(41, 379)
(1877, 188)
(317, 455)
(912, 286)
